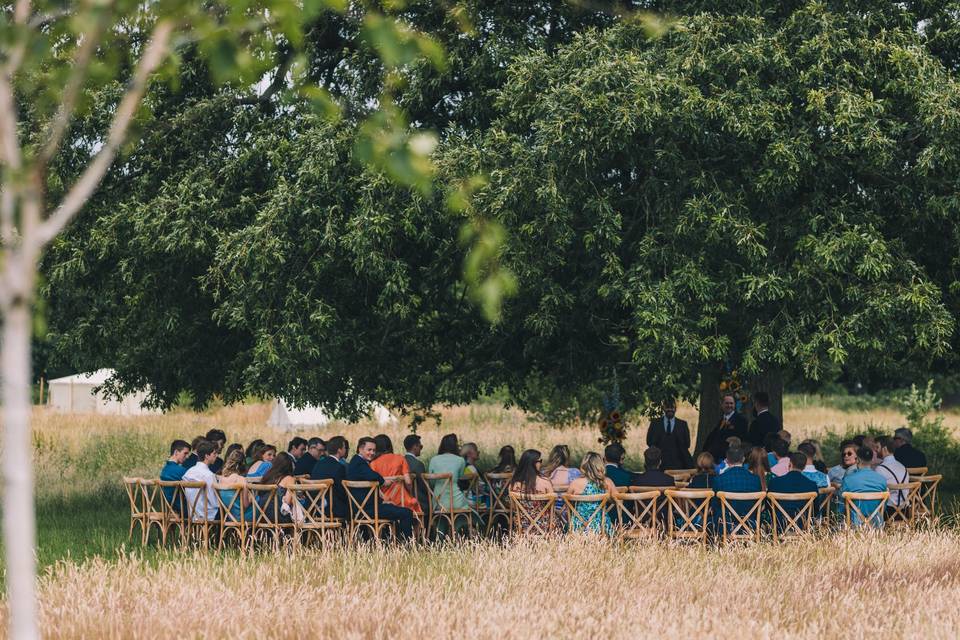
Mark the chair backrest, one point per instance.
(439, 484)
(927, 497)
(225, 506)
(792, 521)
(736, 525)
(534, 513)
(822, 506)
(577, 521)
(266, 507)
(857, 509)
(172, 499)
(688, 512)
(315, 495)
(681, 474)
(637, 513)
(905, 509)
(499, 484)
(195, 498)
(366, 506)
(917, 471)
(134, 490)
(644, 489)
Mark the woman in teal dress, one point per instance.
(593, 483)
(448, 460)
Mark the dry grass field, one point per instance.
(95, 584)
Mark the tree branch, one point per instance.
(21, 12)
(81, 191)
(286, 61)
(60, 123)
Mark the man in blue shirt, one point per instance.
(173, 469)
(864, 480)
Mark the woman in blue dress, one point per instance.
(232, 475)
(593, 482)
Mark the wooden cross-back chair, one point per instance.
(903, 513)
(854, 513)
(134, 490)
(595, 522)
(365, 510)
(266, 525)
(195, 500)
(498, 507)
(734, 526)
(636, 514)
(230, 523)
(153, 511)
(917, 471)
(533, 513)
(823, 511)
(419, 517)
(317, 519)
(926, 505)
(688, 513)
(682, 475)
(440, 487)
(788, 522)
(173, 503)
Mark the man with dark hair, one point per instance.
(191, 459)
(330, 467)
(359, 470)
(793, 481)
(613, 456)
(864, 479)
(735, 479)
(782, 450)
(296, 448)
(810, 470)
(893, 472)
(173, 468)
(414, 447)
(765, 422)
(652, 476)
(905, 453)
(671, 435)
(315, 450)
(202, 506)
(731, 424)
(219, 438)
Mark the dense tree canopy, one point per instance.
(773, 187)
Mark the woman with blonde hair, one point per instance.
(232, 475)
(759, 465)
(556, 468)
(706, 469)
(593, 482)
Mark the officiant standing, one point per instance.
(671, 435)
(731, 424)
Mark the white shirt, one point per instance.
(201, 473)
(727, 416)
(762, 411)
(894, 473)
(669, 424)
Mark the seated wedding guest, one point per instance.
(359, 469)
(506, 460)
(192, 458)
(784, 435)
(556, 468)
(768, 447)
(202, 502)
(809, 470)
(388, 464)
(173, 468)
(315, 450)
(794, 481)
(859, 439)
(781, 449)
(527, 480)
(263, 459)
(652, 476)
(296, 448)
(759, 465)
(251, 449)
(818, 462)
(414, 447)
(592, 482)
(848, 461)
(863, 479)
(232, 474)
(330, 467)
(703, 478)
(613, 457)
(280, 474)
(893, 472)
(236, 446)
(219, 438)
(470, 454)
(871, 441)
(736, 479)
(448, 460)
(905, 453)
(732, 442)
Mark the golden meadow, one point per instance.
(95, 584)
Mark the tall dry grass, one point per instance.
(890, 586)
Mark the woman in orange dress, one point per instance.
(387, 464)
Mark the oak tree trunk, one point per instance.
(771, 381)
(709, 403)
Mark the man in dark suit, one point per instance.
(905, 453)
(652, 476)
(613, 456)
(413, 448)
(672, 436)
(731, 424)
(329, 467)
(765, 423)
(735, 479)
(316, 449)
(359, 469)
(793, 482)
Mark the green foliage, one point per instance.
(916, 405)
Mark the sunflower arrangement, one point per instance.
(612, 428)
(730, 382)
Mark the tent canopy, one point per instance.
(289, 418)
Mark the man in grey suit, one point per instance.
(413, 446)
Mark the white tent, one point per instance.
(75, 394)
(288, 418)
